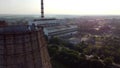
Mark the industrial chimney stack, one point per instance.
(42, 9)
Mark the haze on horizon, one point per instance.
(70, 7)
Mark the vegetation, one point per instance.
(83, 55)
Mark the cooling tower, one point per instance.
(21, 47)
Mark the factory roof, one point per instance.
(61, 27)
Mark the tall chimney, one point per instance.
(42, 9)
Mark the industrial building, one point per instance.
(60, 31)
(23, 47)
(55, 27)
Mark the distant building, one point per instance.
(60, 31)
(23, 47)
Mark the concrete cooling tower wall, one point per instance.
(23, 49)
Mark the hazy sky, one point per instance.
(81, 7)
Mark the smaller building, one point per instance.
(74, 40)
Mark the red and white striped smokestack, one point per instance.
(42, 9)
